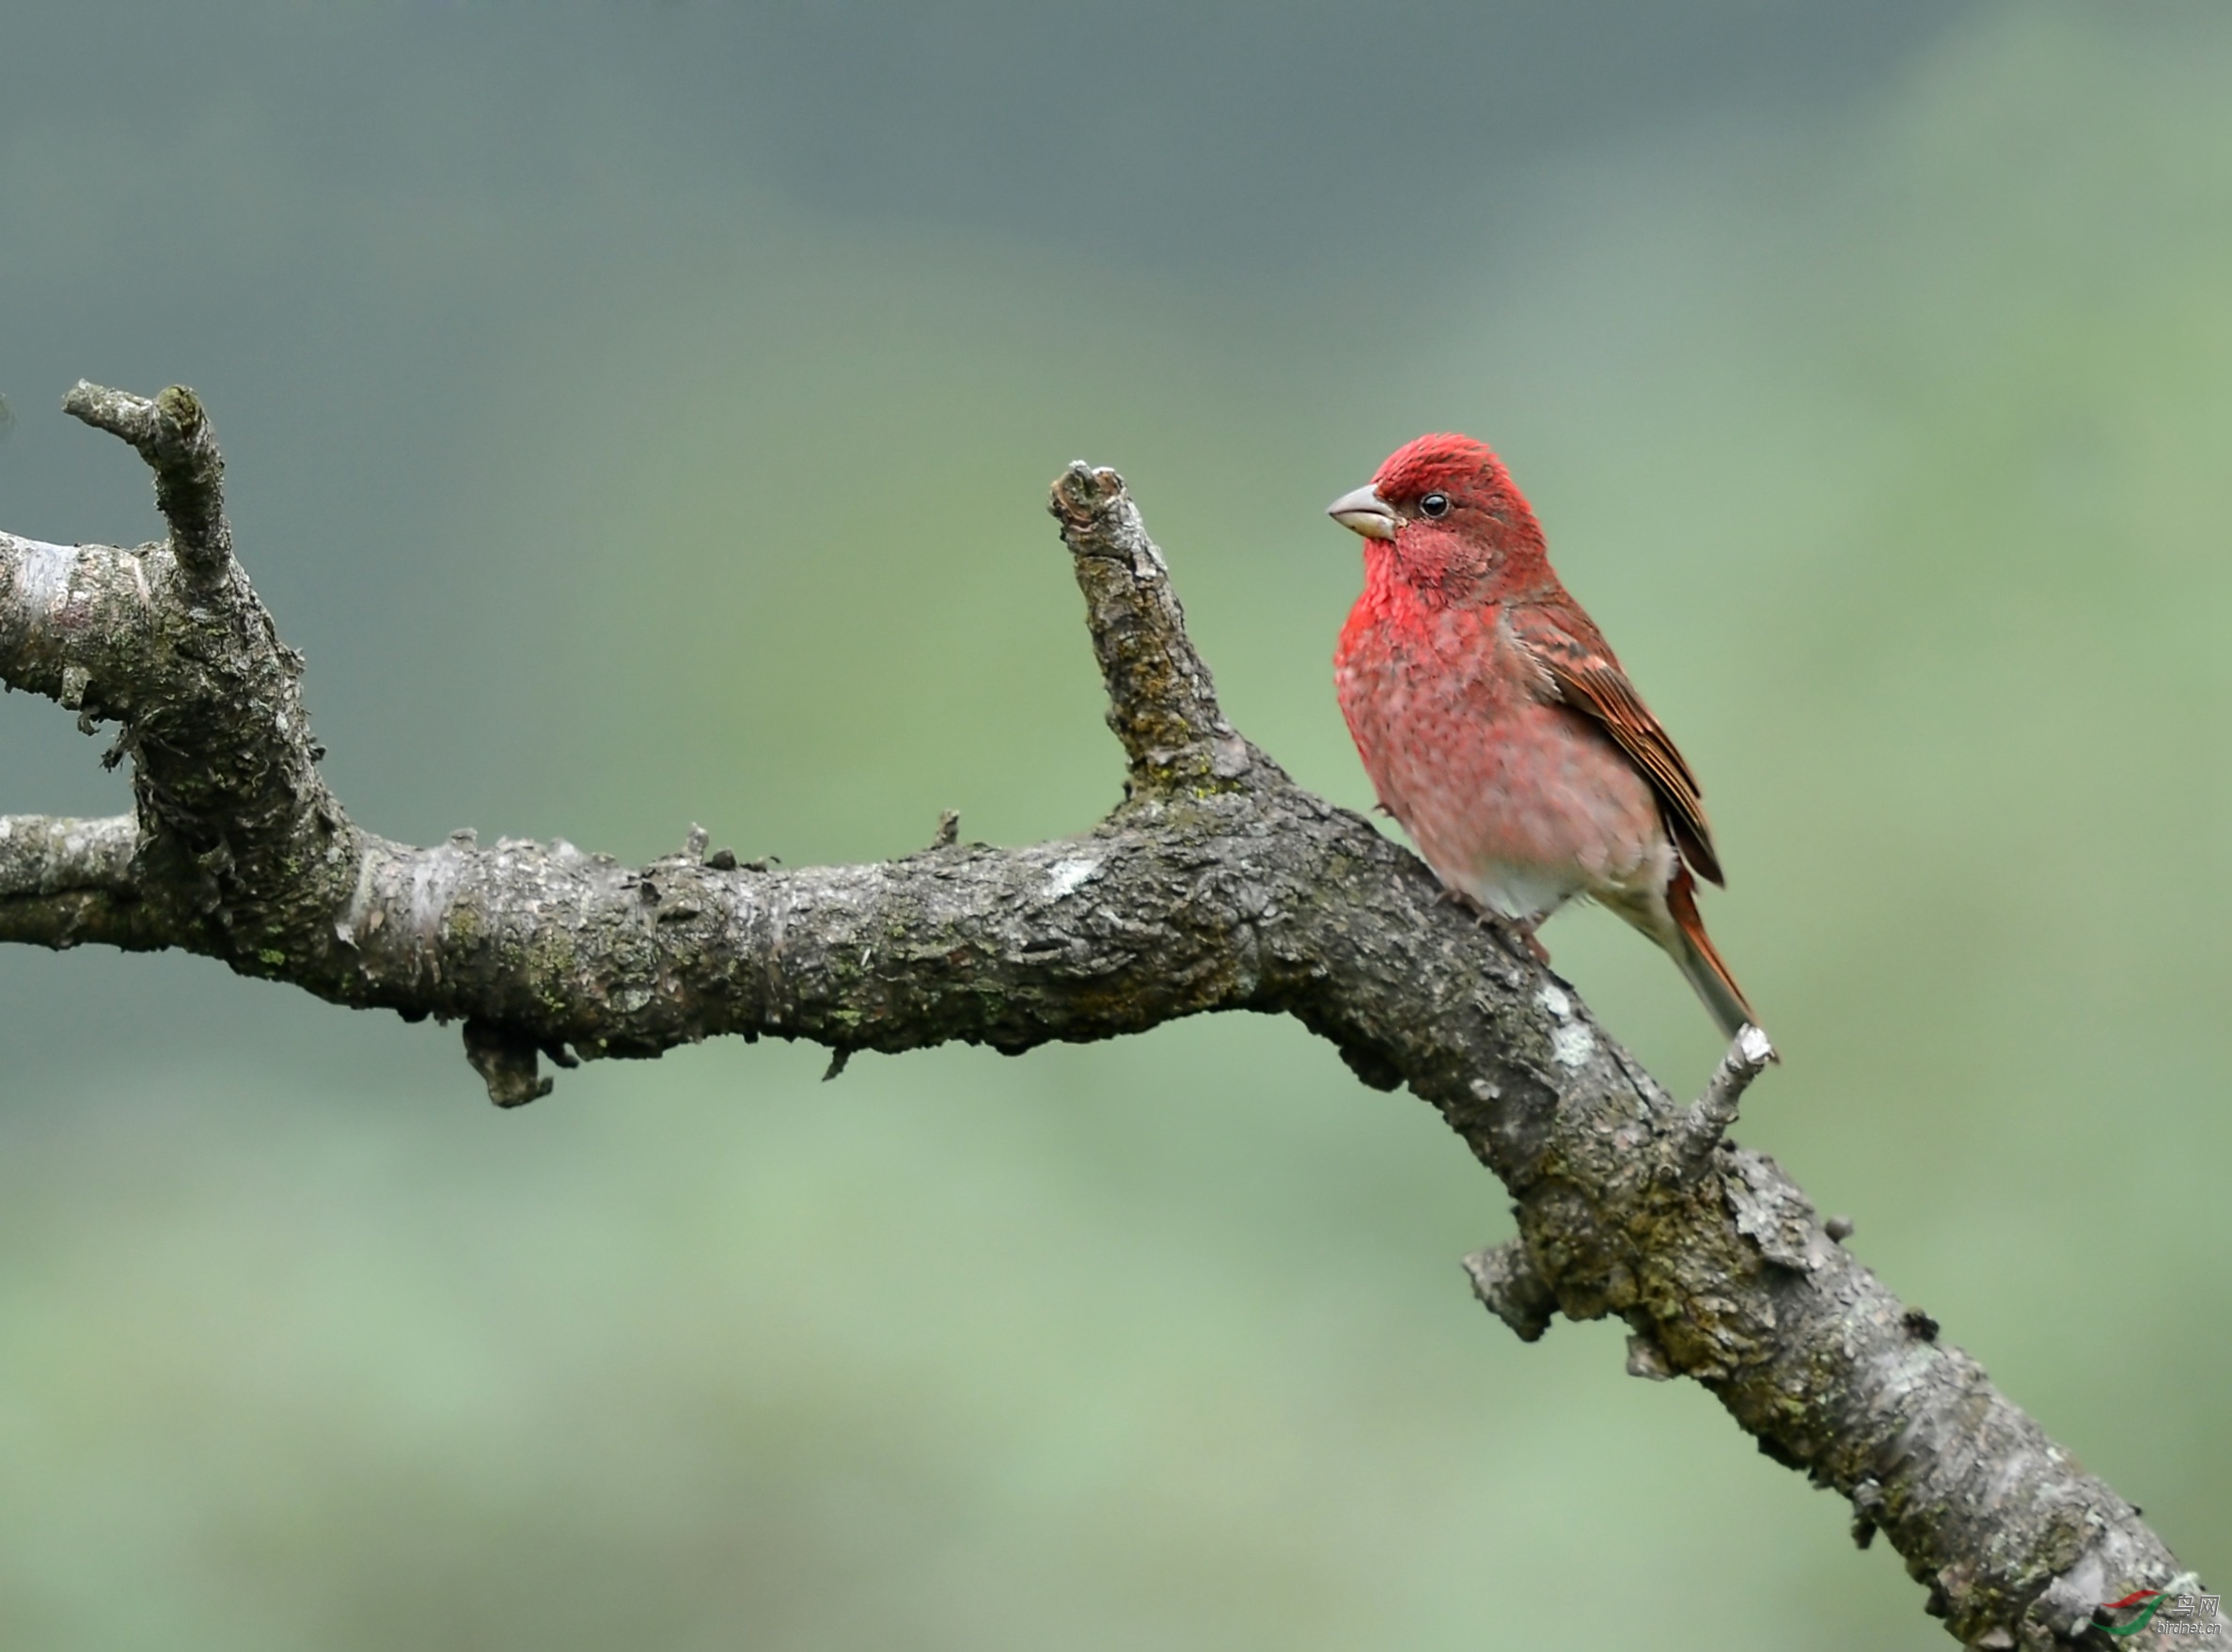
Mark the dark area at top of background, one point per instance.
(1158, 131)
(1179, 132)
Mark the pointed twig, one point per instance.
(1748, 1055)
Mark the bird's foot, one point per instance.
(1517, 937)
(1451, 896)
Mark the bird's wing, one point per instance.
(1580, 663)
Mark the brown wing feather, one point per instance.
(1587, 677)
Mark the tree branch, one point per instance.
(174, 437)
(1161, 703)
(67, 881)
(1217, 884)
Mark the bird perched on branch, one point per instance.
(1498, 726)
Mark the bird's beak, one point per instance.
(1366, 512)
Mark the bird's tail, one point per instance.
(1697, 959)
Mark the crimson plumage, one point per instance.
(1497, 724)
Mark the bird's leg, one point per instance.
(1516, 935)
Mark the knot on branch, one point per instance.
(173, 435)
(1509, 1285)
(1162, 704)
(506, 1061)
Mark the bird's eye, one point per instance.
(1436, 505)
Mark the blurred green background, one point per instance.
(641, 415)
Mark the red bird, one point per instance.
(1498, 726)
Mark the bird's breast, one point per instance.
(1510, 795)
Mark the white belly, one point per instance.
(1526, 895)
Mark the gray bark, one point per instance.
(1217, 884)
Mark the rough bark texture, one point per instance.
(1217, 884)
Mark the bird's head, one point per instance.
(1449, 517)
